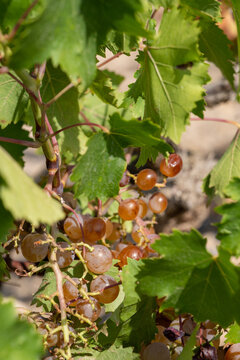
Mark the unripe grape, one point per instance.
(172, 166)
(89, 310)
(233, 352)
(115, 234)
(143, 208)
(72, 227)
(158, 203)
(131, 251)
(156, 351)
(32, 249)
(71, 292)
(146, 179)
(108, 295)
(99, 260)
(65, 257)
(128, 209)
(94, 229)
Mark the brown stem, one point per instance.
(86, 120)
(103, 128)
(109, 59)
(20, 142)
(20, 21)
(232, 122)
(25, 88)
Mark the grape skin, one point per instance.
(172, 166)
(158, 203)
(71, 292)
(131, 251)
(143, 208)
(72, 227)
(33, 251)
(233, 352)
(94, 229)
(146, 179)
(89, 310)
(128, 209)
(64, 258)
(108, 295)
(99, 260)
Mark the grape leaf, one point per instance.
(233, 334)
(171, 72)
(226, 169)
(215, 46)
(22, 197)
(229, 227)
(119, 42)
(210, 8)
(4, 273)
(129, 281)
(7, 224)
(192, 280)
(100, 169)
(102, 87)
(15, 131)
(13, 100)
(138, 133)
(187, 353)
(19, 339)
(64, 111)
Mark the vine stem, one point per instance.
(232, 122)
(103, 128)
(20, 142)
(11, 35)
(109, 59)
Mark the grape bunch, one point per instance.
(102, 244)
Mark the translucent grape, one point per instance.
(115, 234)
(146, 179)
(128, 209)
(109, 227)
(32, 249)
(172, 166)
(108, 295)
(52, 339)
(94, 229)
(233, 352)
(131, 251)
(89, 310)
(71, 292)
(72, 227)
(156, 351)
(143, 208)
(158, 203)
(64, 258)
(99, 260)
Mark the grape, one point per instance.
(72, 228)
(146, 179)
(99, 260)
(64, 258)
(52, 339)
(233, 352)
(143, 208)
(130, 251)
(124, 180)
(120, 246)
(128, 209)
(137, 236)
(71, 292)
(109, 227)
(89, 310)
(116, 232)
(32, 250)
(94, 229)
(108, 295)
(158, 203)
(156, 351)
(172, 166)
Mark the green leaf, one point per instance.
(229, 227)
(102, 87)
(129, 280)
(100, 169)
(233, 334)
(119, 353)
(226, 169)
(187, 353)
(64, 111)
(120, 42)
(192, 280)
(13, 100)
(48, 285)
(215, 46)
(22, 197)
(138, 134)
(7, 224)
(4, 272)
(18, 340)
(15, 131)
(209, 8)
(171, 72)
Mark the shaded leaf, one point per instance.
(100, 169)
(23, 198)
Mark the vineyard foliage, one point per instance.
(55, 97)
